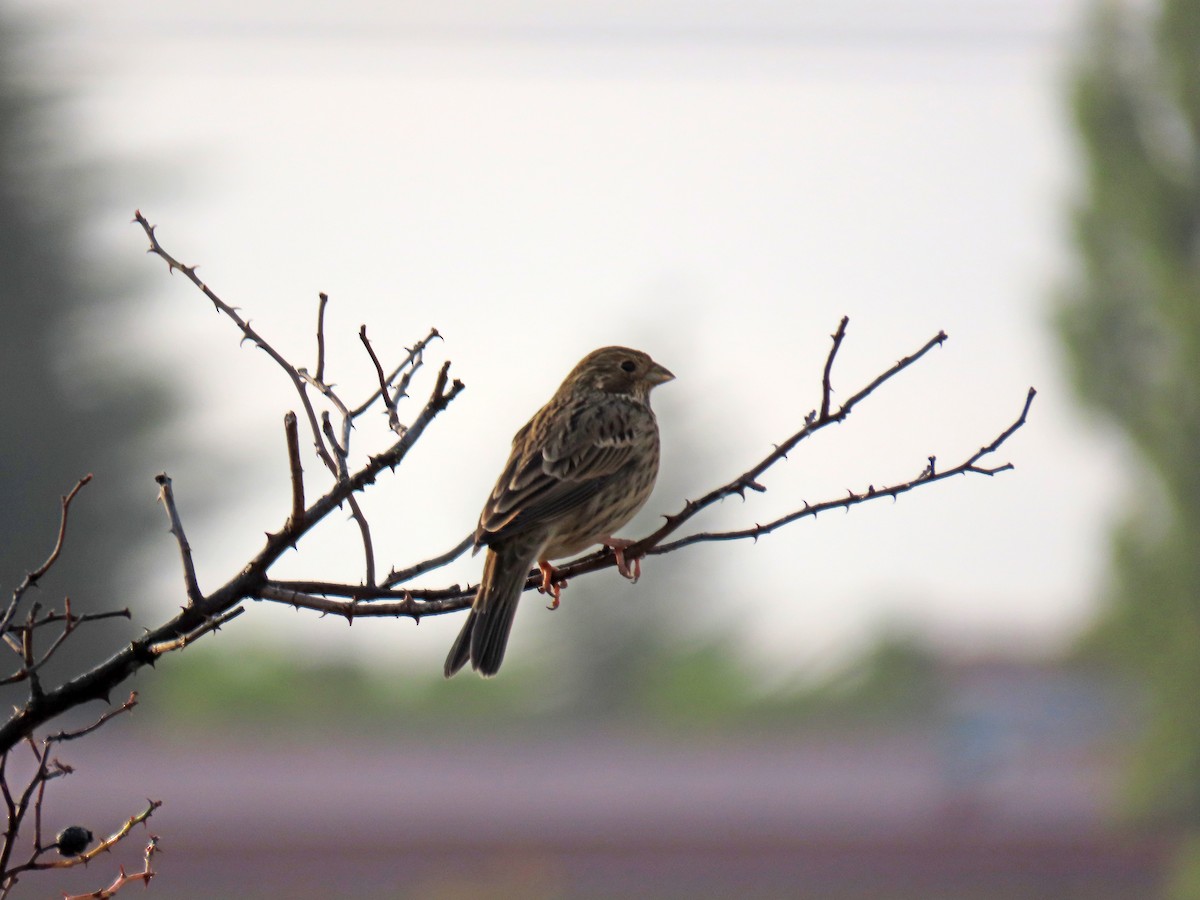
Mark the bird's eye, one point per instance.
(629, 365)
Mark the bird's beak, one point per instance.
(659, 375)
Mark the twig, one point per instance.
(167, 496)
(293, 450)
(125, 878)
(322, 300)
(748, 480)
(394, 578)
(342, 454)
(54, 616)
(125, 707)
(248, 334)
(353, 609)
(1004, 436)
(364, 530)
(25, 632)
(213, 624)
(852, 499)
(105, 845)
(393, 415)
(826, 385)
(364, 593)
(18, 809)
(33, 577)
(412, 362)
(73, 621)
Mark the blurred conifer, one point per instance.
(72, 399)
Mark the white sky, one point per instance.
(716, 186)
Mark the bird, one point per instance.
(580, 469)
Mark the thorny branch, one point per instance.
(351, 475)
(33, 577)
(393, 413)
(167, 495)
(48, 768)
(126, 878)
(197, 617)
(108, 843)
(416, 603)
(389, 599)
(295, 467)
(20, 637)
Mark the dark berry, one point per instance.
(73, 840)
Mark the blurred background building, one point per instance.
(983, 690)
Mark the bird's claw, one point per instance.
(618, 547)
(549, 585)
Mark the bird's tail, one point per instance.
(485, 633)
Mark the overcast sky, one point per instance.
(716, 185)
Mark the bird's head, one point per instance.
(619, 370)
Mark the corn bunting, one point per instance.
(579, 470)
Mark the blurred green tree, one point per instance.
(1130, 323)
(72, 401)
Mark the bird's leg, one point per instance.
(618, 546)
(549, 585)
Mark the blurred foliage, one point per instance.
(698, 688)
(1131, 326)
(72, 402)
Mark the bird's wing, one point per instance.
(559, 463)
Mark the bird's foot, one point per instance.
(549, 585)
(618, 546)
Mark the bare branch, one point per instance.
(167, 496)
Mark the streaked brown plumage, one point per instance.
(580, 469)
